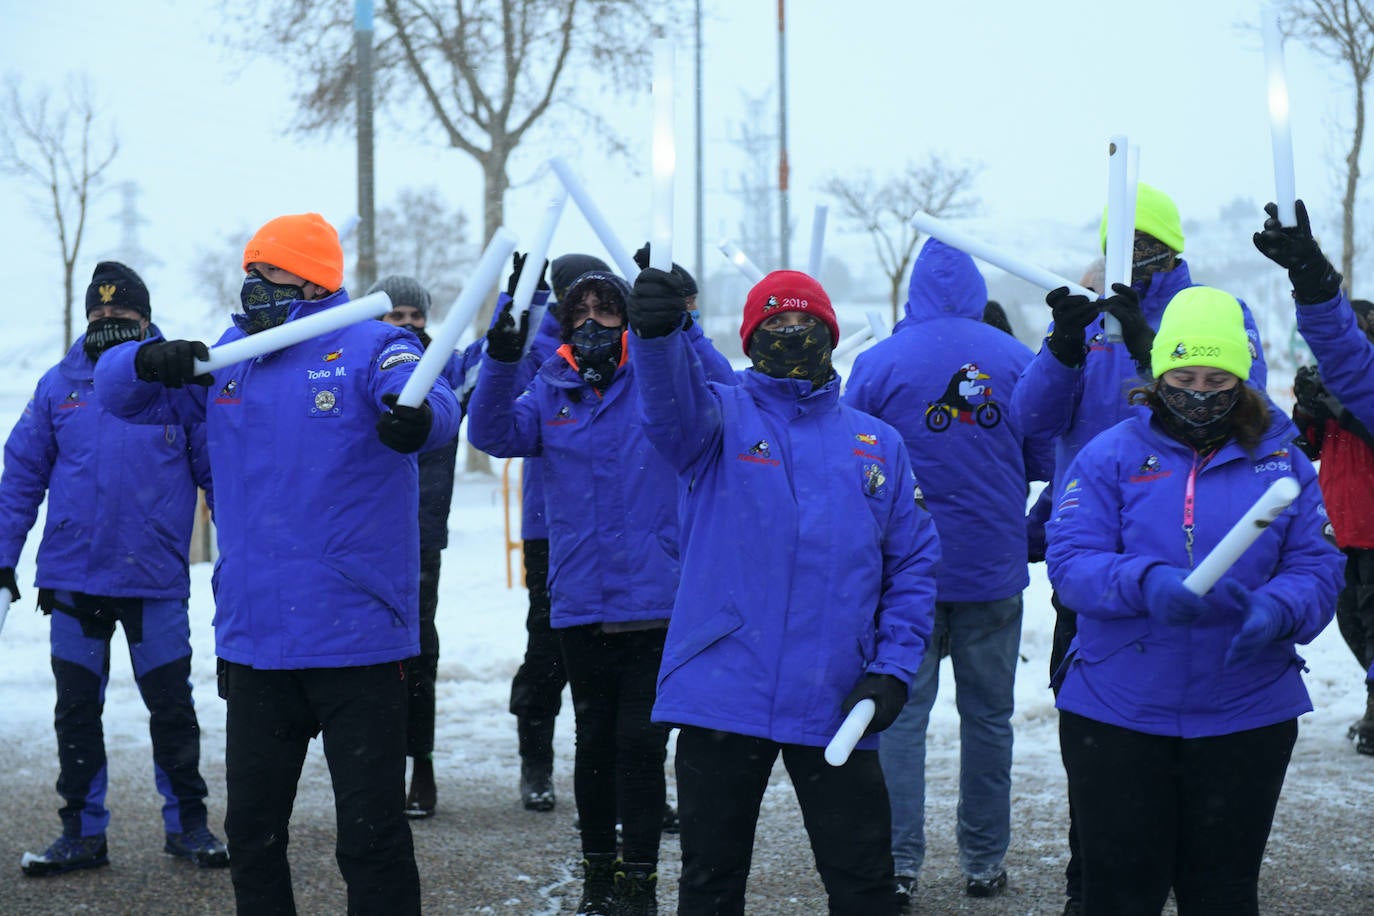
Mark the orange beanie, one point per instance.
(303, 243)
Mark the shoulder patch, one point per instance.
(398, 359)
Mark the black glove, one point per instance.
(1072, 315)
(505, 341)
(404, 429)
(517, 265)
(172, 362)
(1292, 247)
(656, 303)
(888, 694)
(1309, 391)
(7, 581)
(642, 256)
(1136, 332)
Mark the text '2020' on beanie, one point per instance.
(302, 243)
(1202, 326)
(1156, 215)
(117, 285)
(786, 291)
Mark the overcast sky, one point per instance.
(1030, 90)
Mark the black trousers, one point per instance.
(423, 670)
(536, 692)
(1355, 605)
(1156, 812)
(1065, 629)
(620, 753)
(721, 778)
(271, 717)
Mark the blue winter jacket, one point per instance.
(806, 562)
(317, 519)
(944, 380)
(1121, 512)
(1343, 352)
(546, 341)
(121, 498)
(1053, 401)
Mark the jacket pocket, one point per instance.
(363, 583)
(1104, 640)
(681, 649)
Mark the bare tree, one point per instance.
(883, 209)
(483, 72)
(49, 145)
(1341, 31)
(421, 237)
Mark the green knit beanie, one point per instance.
(1202, 326)
(1155, 215)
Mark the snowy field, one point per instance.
(482, 638)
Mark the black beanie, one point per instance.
(608, 288)
(564, 270)
(405, 291)
(116, 284)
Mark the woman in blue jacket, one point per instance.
(808, 584)
(1178, 713)
(612, 514)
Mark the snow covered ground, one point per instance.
(482, 636)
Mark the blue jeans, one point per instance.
(983, 639)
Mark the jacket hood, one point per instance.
(945, 283)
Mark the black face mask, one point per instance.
(597, 350)
(793, 352)
(1200, 418)
(266, 304)
(103, 333)
(420, 333)
(1150, 256)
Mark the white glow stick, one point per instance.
(618, 252)
(852, 342)
(1280, 130)
(1243, 533)
(1132, 187)
(665, 160)
(460, 315)
(878, 325)
(1118, 258)
(293, 332)
(535, 257)
(955, 238)
(5, 599)
(741, 260)
(849, 732)
(813, 265)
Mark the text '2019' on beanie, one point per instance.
(117, 285)
(1202, 326)
(302, 243)
(786, 291)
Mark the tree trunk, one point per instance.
(895, 291)
(68, 267)
(494, 185)
(1352, 180)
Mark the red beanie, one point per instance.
(303, 243)
(786, 291)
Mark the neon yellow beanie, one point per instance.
(1202, 326)
(1155, 215)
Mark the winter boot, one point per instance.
(536, 763)
(1362, 732)
(67, 853)
(198, 845)
(904, 889)
(636, 885)
(423, 793)
(598, 885)
(987, 887)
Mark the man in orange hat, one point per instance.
(317, 587)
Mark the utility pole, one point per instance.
(365, 270)
(131, 250)
(699, 264)
(784, 235)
